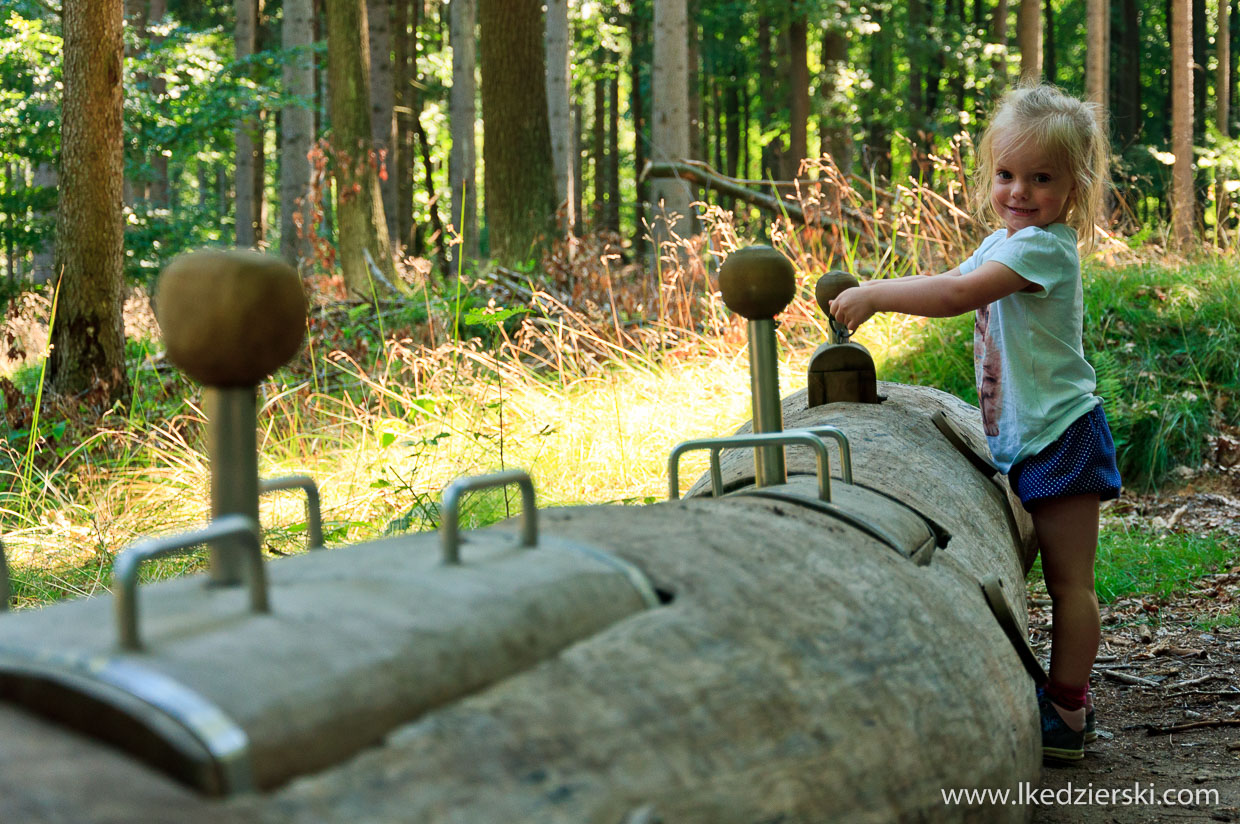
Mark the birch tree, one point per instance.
(88, 338)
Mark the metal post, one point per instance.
(232, 445)
(767, 413)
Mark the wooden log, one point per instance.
(802, 669)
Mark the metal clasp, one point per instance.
(452, 493)
(129, 561)
(314, 513)
(811, 437)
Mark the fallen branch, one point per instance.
(1194, 682)
(1132, 680)
(1150, 729)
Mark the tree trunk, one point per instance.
(613, 148)
(160, 193)
(361, 223)
(1050, 58)
(520, 187)
(1182, 211)
(771, 162)
(1125, 87)
(1222, 89)
(297, 130)
(798, 55)
(732, 113)
(559, 111)
(398, 156)
(578, 166)
(246, 39)
(878, 131)
(383, 102)
(598, 135)
(999, 36)
(88, 332)
(1222, 82)
(135, 186)
(45, 177)
(835, 128)
(462, 113)
(669, 123)
(695, 82)
(916, 45)
(640, 45)
(1029, 37)
(1098, 53)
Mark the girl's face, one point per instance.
(1028, 189)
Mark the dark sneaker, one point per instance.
(1059, 741)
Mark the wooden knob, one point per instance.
(757, 282)
(829, 287)
(230, 318)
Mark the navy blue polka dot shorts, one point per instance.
(1081, 461)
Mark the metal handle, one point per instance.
(314, 513)
(450, 528)
(804, 437)
(4, 580)
(129, 561)
(841, 440)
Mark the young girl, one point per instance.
(1041, 171)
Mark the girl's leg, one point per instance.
(1067, 531)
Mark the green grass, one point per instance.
(1163, 341)
(1157, 564)
(1223, 620)
(1152, 563)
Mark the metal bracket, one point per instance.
(956, 438)
(129, 561)
(89, 692)
(452, 493)
(992, 589)
(811, 437)
(314, 513)
(4, 580)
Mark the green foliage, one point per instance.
(1163, 344)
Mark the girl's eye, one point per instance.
(1042, 179)
(1003, 174)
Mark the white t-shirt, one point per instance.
(1032, 377)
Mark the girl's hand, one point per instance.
(852, 307)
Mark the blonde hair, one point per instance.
(1069, 131)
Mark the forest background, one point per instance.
(468, 190)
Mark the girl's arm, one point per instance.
(933, 297)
